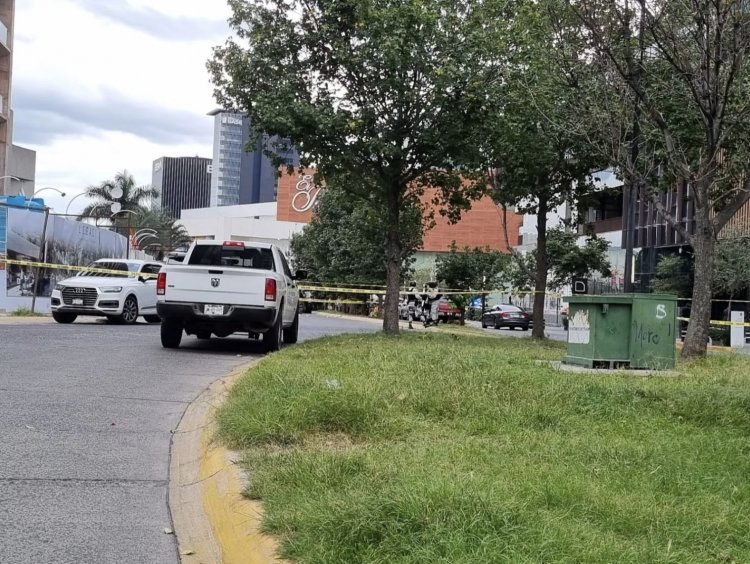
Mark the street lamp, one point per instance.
(131, 212)
(48, 188)
(72, 200)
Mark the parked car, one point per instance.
(447, 311)
(226, 287)
(125, 290)
(506, 315)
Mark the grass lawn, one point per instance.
(25, 312)
(454, 449)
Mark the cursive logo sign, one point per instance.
(307, 194)
(215, 282)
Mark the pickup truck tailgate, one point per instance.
(219, 285)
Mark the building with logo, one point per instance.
(276, 222)
(243, 175)
(17, 164)
(183, 183)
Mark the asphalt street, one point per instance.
(86, 412)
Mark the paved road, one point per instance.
(86, 412)
(553, 332)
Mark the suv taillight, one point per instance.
(270, 290)
(161, 284)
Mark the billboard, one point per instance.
(68, 243)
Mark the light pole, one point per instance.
(47, 188)
(129, 212)
(42, 257)
(72, 200)
(2, 188)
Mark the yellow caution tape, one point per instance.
(717, 322)
(314, 301)
(48, 265)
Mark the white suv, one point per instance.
(103, 291)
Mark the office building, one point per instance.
(183, 183)
(17, 165)
(240, 176)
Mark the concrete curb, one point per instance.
(213, 522)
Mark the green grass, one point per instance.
(457, 449)
(25, 312)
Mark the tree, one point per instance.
(536, 162)
(732, 264)
(344, 241)
(380, 94)
(158, 234)
(673, 276)
(685, 66)
(132, 198)
(473, 270)
(566, 259)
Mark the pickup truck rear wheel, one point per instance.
(171, 334)
(292, 332)
(272, 337)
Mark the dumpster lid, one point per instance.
(619, 298)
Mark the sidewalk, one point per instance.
(8, 319)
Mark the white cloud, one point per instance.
(94, 94)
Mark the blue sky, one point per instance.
(105, 85)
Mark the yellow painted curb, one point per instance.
(213, 521)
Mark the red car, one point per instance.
(506, 315)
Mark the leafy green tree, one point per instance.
(684, 66)
(380, 94)
(732, 264)
(537, 163)
(344, 241)
(474, 270)
(673, 275)
(158, 234)
(566, 260)
(131, 197)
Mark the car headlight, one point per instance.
(59, 287)
(111, 290)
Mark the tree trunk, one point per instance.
(540, 287)
(704, 241)
(392, 263)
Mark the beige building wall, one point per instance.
(7, 14)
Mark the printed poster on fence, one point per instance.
(68, 242)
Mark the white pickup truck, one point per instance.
(225, 287)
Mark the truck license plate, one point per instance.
(77, 301)
(213, 310)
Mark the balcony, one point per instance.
(4, 47)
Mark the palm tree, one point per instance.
(159, 233)
(133, 198)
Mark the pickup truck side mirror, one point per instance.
(300, 275)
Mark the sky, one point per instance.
(101, 86)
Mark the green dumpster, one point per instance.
(622, 331)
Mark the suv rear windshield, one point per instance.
(241, 257)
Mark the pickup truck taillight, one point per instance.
(270, 290)
(161, 284)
